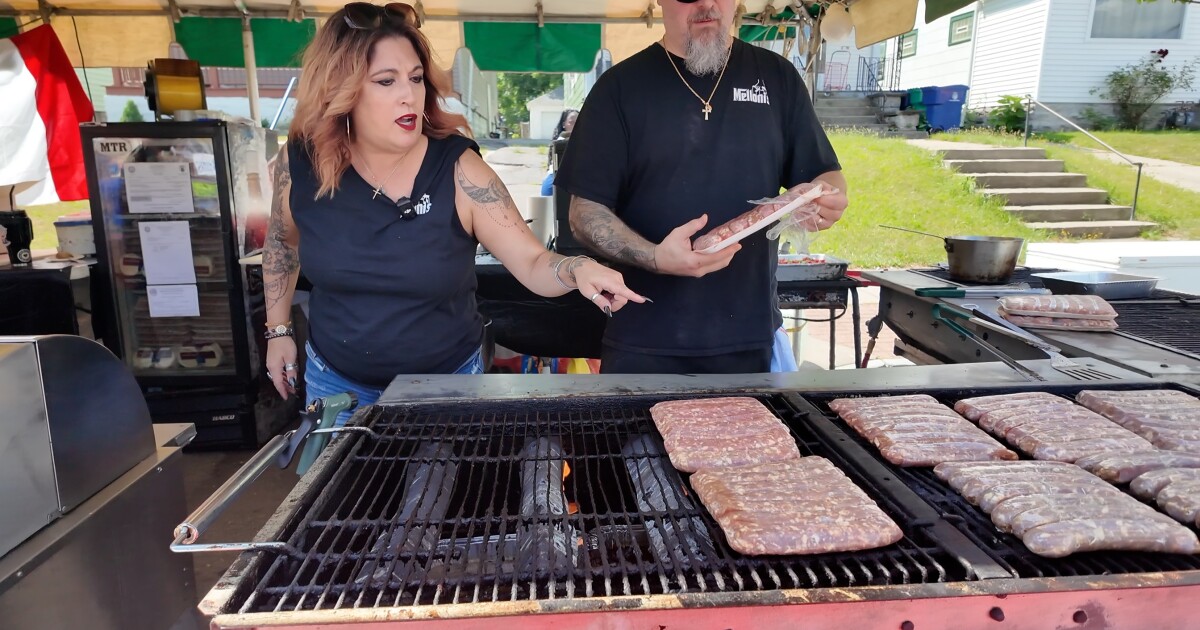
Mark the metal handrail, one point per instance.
(1137, 186)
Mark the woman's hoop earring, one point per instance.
(347, 125)
(426, 115)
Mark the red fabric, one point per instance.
(62, 105)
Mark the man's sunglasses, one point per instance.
(364, 16)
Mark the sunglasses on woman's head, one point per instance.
(364, 16)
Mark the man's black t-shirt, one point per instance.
(642, 147)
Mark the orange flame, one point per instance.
(572, 507)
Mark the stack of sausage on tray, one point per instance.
(917, 430)
(1058, 509)
(751, 477)
(1049, 427)
(1059, 312)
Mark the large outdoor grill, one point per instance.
(1155, 337)
(482, 502)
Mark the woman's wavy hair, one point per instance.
(334, 70)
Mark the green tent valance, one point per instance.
(8, 27)
(935, 9)
(218, 41)
(526, 47)
(751, 32)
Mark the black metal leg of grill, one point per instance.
(856, 319)
(832, 339)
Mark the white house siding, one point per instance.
(936, 61)
(477, 91)
(94, 82)
(1074, 63)
(1010, 37)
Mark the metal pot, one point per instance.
(978, 259)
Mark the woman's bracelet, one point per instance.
(578, 260)
(559, 280)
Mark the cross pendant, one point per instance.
(375, 193)
(706, 110)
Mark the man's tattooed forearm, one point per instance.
(597, 226)
(494, 198)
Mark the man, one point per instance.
(669, 144)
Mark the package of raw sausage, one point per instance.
(762, 215)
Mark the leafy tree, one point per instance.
(131, 113)
(516, 89)
(1137, 87)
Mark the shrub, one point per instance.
(1098, 121)
(1136, 87)
(1009, 115)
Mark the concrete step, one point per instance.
(1029, 180)
(848, 121)
(881, 130)
(848, 110)
(842, 96)
(909, 134)
(1006, 166)
(1095, 229)
(1047, 196)
(1070, 212)
(999, 153)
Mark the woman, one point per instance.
(562, 131)
(382, 200)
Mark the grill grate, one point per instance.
(1166, 318)
(1006, 549)
(475, 494)
(1171, 324)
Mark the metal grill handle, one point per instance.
(190, 530)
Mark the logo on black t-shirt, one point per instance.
(425, 205)
(755, 94)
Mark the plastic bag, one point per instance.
(766, 211)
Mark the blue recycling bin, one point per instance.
(943, 106)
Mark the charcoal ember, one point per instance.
(428, 482)
(547, 542)
(676, 541)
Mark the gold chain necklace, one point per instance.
(379, 189)
(707, 109)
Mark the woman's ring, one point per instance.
(594, 296)
(289, 366)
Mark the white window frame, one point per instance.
(1183, 29)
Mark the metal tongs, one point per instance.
(947, 315)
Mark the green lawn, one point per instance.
(43, 218)
(1177, 146)
(1175, 209)
(894, 183)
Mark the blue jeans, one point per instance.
(320, 380)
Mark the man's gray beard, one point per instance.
(706, 55)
